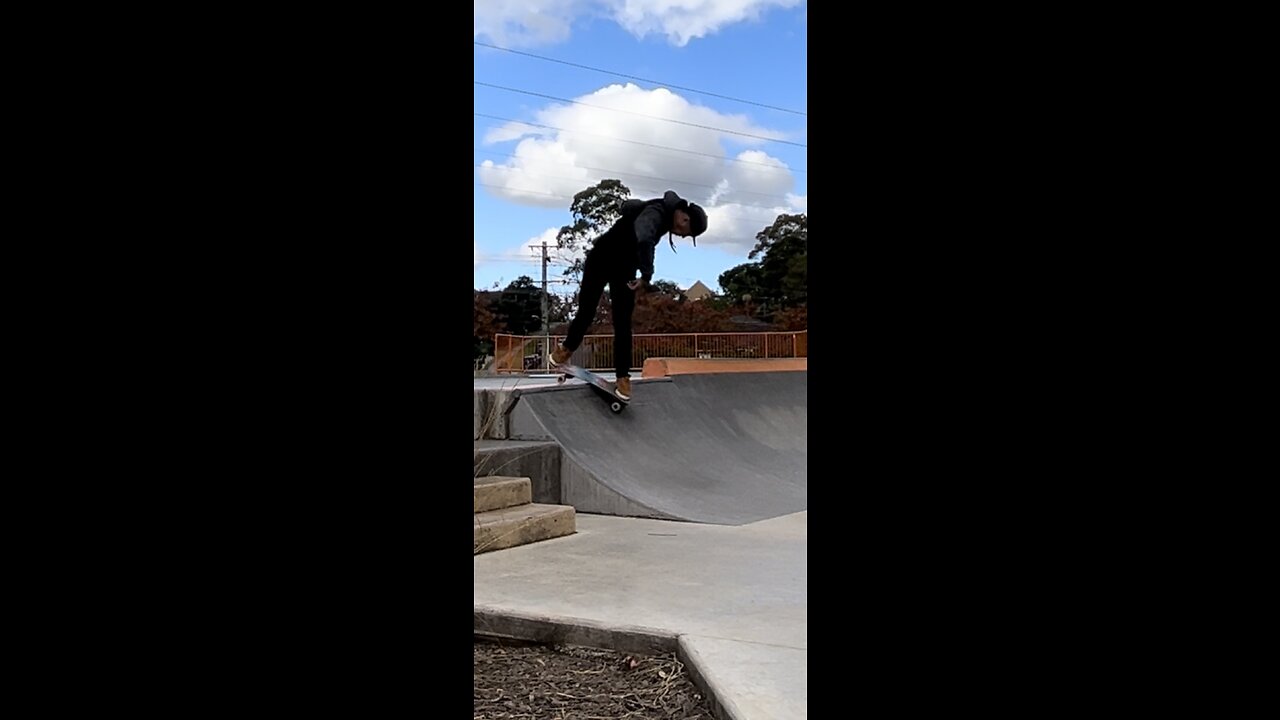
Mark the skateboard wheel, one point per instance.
(615, 406)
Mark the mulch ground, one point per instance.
(518, 680)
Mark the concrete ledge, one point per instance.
(721, 703)
(537, 461)
(551, 631)
(489, 410)
(509, 527)
(663, 367)
(745, 680)
(497, 492)
(569, 631)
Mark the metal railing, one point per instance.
(528, 353)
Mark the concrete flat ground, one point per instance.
(736, 597)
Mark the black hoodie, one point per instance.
(649, 220)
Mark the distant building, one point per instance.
(698, 291)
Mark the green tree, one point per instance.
(783, 250)
(667, 288)
(558, 308)
(519, 308)
(785, 270)
(784, 226)
(485, 326)
(745, 279)
(779, 278)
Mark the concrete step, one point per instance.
(537, 460)
(499, 491)
(510, 527)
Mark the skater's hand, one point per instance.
(637, 284)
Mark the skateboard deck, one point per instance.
(606, 389)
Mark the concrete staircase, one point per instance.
(506, 516)
(537, 460)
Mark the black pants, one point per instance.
(603, 268)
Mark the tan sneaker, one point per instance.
(624, 388)
(560, 355)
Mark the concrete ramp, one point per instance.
(726, 449)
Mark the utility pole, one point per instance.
(546, 324)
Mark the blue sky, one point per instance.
(744, 162)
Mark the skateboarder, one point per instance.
(625, 247)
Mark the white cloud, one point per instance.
(532, 248)
(527, 23)
(526, 259)
(542, 173)
(736, 225)
(549, 166)
(757, 180)
(684, 20)
(558, 260)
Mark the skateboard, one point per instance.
(600, 385)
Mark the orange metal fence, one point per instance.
(521, 353)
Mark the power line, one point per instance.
(626, 172)
(649, 191)
(775, 168)
(631, 112)
(529, 192)
(633, 77)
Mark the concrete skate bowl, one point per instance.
(725, 449)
